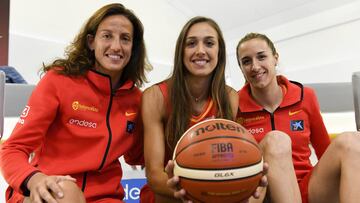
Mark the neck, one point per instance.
(114, 75)
(269, 98)
(198, 88)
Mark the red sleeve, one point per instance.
(29, 133)
(319, 136)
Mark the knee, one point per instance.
(72, 192)
(276, 144)
(347, 142)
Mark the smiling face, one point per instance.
(201, 49)
(112, 45)
(257, 62)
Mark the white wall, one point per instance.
(320, 48)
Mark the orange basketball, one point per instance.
(218, 160)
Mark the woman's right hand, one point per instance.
(173, 182)
(43, 187)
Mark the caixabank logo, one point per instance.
(132, 189)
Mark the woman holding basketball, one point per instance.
(195, 91)
(269, 102)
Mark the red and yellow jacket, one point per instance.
(76, 126)
(298, 115)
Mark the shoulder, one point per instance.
(152, 93)
(152, 103)
(309, 94)
(309, 90)
(231, 92)
(54, 74)
(233, 98)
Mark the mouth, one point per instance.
(258, 75)
(114, 56)
(200, 62)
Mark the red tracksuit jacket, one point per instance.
(77, 126)
(298, 115)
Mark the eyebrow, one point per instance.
(206, 37)
(258, 53)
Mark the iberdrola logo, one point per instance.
(77, 106)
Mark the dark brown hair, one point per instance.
(79, 58)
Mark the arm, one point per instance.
(29, 135)
(153, 113)
(135, 155)
(319, 137)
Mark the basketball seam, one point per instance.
(223, 180)
(222, 168)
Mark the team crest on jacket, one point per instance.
(130, 127)
(297, 125)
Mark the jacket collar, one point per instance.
(293, 95)
(103, 82)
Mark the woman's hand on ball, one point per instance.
(173, 182)
(263, 181)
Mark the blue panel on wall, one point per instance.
(132, 189)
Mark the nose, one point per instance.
(116, 44)
(200, 49)
(255, 65)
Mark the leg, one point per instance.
(336, 177)
(277, 152)
(72, 193)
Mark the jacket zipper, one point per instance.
(84, 182)
(272, 121)
(109, 130)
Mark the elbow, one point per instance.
(154, 180)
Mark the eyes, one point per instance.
(108, 36)
(247, 60)
(193, 42)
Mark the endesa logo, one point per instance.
(82, 123)
(255, 131)
(132, 189)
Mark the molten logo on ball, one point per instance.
(218, 126)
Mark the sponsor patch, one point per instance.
(291, 113)
(25, 112)
(127, 113)
(242, 120)
(81, 107)
(82, 123)
(23, 115)
(297, 125)
(130, 127)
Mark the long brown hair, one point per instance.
(179, 118)
(79, 58)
